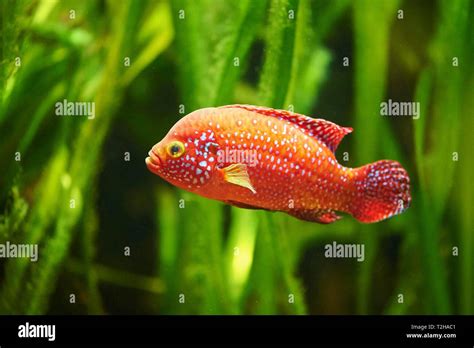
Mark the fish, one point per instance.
(257, 157)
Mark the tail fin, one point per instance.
(383, 190)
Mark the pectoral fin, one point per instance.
(237, 174)
(323, 216)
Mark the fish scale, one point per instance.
(296, 170)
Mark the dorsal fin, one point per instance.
(326, 132)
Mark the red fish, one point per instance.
(261, 158)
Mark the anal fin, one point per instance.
(322, 216)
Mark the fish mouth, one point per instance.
(153, 162)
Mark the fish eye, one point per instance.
(175, 149)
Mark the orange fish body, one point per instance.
(261, 158)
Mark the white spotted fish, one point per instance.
(262, 158)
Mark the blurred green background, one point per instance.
(129, 246)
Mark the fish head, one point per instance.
(185, 159)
